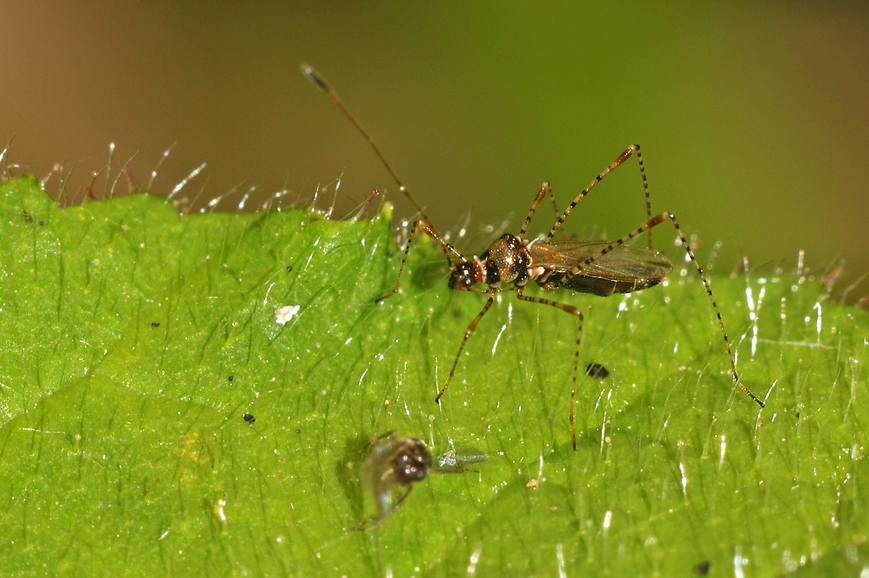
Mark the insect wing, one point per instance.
(622, 269)
(621, 263)
(456, 462)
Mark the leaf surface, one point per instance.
(133, 341)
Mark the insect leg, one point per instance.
(426, 228)
(573, 311)
(538, 198)
(631, 150)
(653, 222)
(472, 326)
(557, 213)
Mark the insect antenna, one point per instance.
(318, 81)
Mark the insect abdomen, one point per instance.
(599, 285)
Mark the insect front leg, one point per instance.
(427, 229)
(576, 312)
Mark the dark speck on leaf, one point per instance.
(597, 371)
(289, 268)
(155, 324)
(298, 431)
(249, 418)
(702, 569)
(230, 378)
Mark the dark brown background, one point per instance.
(753, 117)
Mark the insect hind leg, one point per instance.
(632, 150)
(544, 190)
(654, 222)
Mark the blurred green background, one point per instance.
(753, 117)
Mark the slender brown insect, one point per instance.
(597, 267)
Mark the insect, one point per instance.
(598, 267)
(394, 463)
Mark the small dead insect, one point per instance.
(249, 418)
(394, 463)
(601, 268)
(597, 371)
(397, 462)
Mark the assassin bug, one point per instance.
(597, 267)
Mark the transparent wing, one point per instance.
(621, 263)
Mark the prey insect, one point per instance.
(598, 267)
(395, 463)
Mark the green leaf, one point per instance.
(134, 340)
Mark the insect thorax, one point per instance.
(505, 261)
